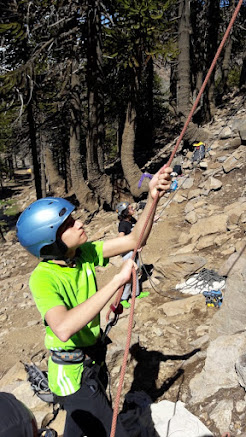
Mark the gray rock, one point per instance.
(231, 317)
(222, 415)
(179, 266)
(226, 133)
(206, 226)
(184, 306)
(191, 217)
(219, 369)
(240, 367)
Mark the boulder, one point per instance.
(179, 267)
(172, 418)
(219, 369)
(231, 317)
(184, 306)
(206, 226)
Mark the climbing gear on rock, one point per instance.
(214, 298)
(205, 280)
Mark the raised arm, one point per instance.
(159, 184)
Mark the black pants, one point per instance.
(89, 413)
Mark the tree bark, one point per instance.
(243, 72)
(183, 83)
(212, 22)
(34, 151)
(97, 178)
(131, 170)
(83, 193)
(56, 185)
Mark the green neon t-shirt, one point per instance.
(53, 285)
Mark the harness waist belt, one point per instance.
(87, 355)
(68, 357)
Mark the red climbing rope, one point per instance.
(124, 363)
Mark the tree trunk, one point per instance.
(212, 22)
(56, 185)
(227, 50)
(183, 84)
(243, 72)
(226, 64)
(98, 180)
(82, 192)
(2, 239)
(131, 170)
(42, 169)
(150, 82)
(34, 151)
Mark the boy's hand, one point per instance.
(126, 271)
(160, 182)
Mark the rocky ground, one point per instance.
(181, 349)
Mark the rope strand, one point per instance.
(123, 369)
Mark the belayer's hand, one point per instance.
(126, 271)
(160, 182)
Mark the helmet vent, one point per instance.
(62, 212)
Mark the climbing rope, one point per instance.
(124, 363)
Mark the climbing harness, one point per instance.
(68, 357)
(124, 363)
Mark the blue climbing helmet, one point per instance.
(120, 207)
(38, 224)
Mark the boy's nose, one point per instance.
(78, 224)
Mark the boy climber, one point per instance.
(64, 289)
(127, 222)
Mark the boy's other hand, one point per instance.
(126, 271)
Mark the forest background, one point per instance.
(90, 88)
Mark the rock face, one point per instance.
(219, 369)
(232, 316)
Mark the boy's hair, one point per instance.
(123, 215)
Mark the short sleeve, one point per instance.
(45, 291)
(93, 253)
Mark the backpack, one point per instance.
(199, 152)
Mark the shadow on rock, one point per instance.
(147, 370)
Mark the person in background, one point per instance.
(127, 222)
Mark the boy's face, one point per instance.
(131, 210)
(72, 233)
